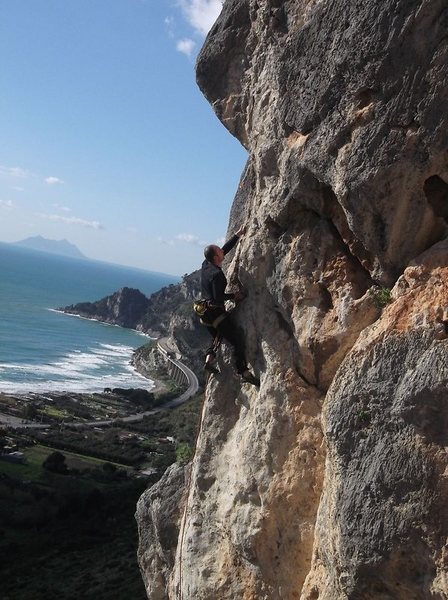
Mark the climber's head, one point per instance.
(214, 254)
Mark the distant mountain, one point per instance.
(61, 247)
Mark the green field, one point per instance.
(35, 456)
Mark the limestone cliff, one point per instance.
(329, 482)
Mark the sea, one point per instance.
(42, 350)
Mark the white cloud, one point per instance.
(189, 238)
(18, 189)
(7, 204)
(169, 24)
(73, 221)
(62, 208)
(201, 14)
(186, 238)
(14, 172)
(53, 181)
(164, 241)
(186, 46)
(132, 229)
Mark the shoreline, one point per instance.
(156, 384)
(80, 409)
(151, 384)
(68, 314)
(159, 386)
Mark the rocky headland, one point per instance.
(328, 482)
(167, 312)
(125, 307)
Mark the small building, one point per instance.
(14, 457)
(166, 440)
(148, 471)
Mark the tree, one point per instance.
(55, 462)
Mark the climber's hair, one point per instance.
(210, 252)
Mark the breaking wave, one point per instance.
(103, 365)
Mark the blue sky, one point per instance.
(105, 138)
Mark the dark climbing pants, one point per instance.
(230, 332)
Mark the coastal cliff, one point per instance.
(167, 312)
(125, 307)
(329, 481)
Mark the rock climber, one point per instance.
(214, 316)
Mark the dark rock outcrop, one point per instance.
(125, 308)
(385, 421)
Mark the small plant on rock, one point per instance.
(184, 453)
(381, 295)
(364, 416)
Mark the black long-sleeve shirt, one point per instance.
(213, 280)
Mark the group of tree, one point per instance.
(103, 445)
(55, 462)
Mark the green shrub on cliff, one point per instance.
(381, 295)
(184, 453)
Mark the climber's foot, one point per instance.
(211, 368)
(248, 377)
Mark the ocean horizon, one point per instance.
(43, 350)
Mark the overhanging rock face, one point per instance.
(342, 107)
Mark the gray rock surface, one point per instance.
(158, 516)
(342, 107)
(385, 419)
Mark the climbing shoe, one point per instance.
(249, 378)
(210, 368)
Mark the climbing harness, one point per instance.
(201, 307)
